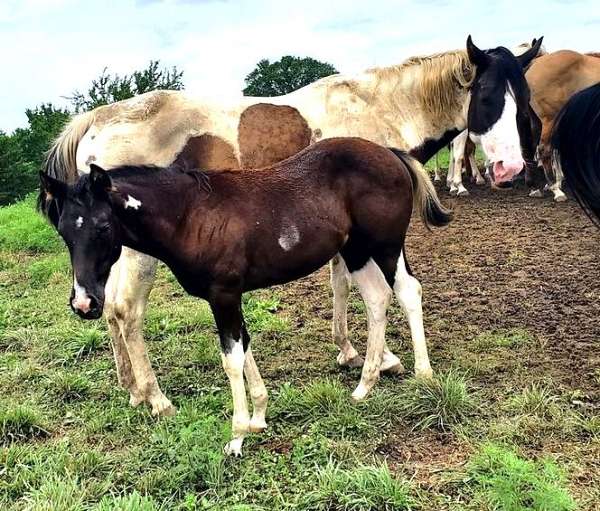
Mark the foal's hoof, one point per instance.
(453, 191)
(356, 361)
(462, 193)
(436, 179)
(234, 448)
(480, 182)
(162, 407)
(257, 425)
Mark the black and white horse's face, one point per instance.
(84, 218)
(498, 115)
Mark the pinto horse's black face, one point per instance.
(499, 110)
(84, 217)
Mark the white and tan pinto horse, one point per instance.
(417, 106)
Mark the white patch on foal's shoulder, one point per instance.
(132, 202)
(289, 237)
(79, 222)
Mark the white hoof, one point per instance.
(424, 373)
(257, 425)
(437, 179)
(560, 197)
(537, 194)
(355, 361)
(360, 393)
(480, 181)
(162, 407)
(234, 447)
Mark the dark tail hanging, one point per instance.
(576, 147)
(425, 198)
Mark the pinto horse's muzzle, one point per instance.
(87, 308)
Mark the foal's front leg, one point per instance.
(227, 309)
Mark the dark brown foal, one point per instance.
(224, 233)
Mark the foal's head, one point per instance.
(499, 113)
(84, 216)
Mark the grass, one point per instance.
(69, 440)
(502, 480)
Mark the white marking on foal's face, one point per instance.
(132, 202)
(502, 144)
(81, 300)
(79, 222)
(289, 238)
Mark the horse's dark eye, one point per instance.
(103, 227)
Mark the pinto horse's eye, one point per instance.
(103, 227)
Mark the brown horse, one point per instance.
(225, 233)
(553, 79)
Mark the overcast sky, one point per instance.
(48, 48)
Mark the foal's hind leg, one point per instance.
(409, 292)
(340, 283)
(376, 294)
(125, 307)
(258, 394)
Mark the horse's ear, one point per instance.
(52, 188)
(100, 182)
(526, 58)
(476, 56)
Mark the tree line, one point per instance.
(22, 152)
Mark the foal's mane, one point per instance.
(437, 77)
(162, 175)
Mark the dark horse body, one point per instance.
(576, 144)
(224, 233)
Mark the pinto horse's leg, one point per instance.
(376, 294)
(458, 146)
(450, 175)
(436, 169)
(340, 283)
(126, 298)
(258, 393)
(409, 293)
(479, 179)
(227, 310)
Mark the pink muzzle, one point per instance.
(506, 170)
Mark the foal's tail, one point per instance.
(60, 160)
(425, 198)
(576, 146)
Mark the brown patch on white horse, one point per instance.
(270, 133)
(207, 152)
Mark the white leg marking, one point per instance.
(341, 283)
(408, 291)
(476, 173)
(258, 394)
(233, 363)
(376, 294)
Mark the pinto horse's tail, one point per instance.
(60, 160)
(576, 147)
(425, 198)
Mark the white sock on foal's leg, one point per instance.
(233, 363)
(408, 291)
(258, 394)
(340, 284)
(376, 294)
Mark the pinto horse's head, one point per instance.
(499, 112)
(84, 217)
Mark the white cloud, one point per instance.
(51, 47)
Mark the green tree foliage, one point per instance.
(22, 153)
(107, 88)
(285, 75)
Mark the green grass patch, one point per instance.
(513, 338)
(363, 488)
(23, 229)
(441, 402)
(503, 481)
(20, 422)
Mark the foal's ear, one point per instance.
(52, 188)
(100, 182)
(526, 58)
(476, 56)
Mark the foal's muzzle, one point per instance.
(91, 308)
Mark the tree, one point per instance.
(108, 88)
(285, 75)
